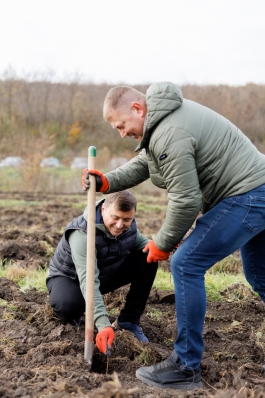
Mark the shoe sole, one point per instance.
(174, 386)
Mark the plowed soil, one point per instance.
(41, 357)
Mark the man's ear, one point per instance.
(136, 106)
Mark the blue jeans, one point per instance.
(236, 222)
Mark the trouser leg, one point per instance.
(253, 260)
(66, 298)
(134, 270)
(228, 226)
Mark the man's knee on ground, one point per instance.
(66, 310)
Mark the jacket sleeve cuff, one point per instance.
(102, 322)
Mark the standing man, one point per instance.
(205, 163)
(119, 261)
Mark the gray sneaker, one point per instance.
(170, 374)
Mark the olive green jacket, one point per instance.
(194, 153)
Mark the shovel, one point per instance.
(90, 262)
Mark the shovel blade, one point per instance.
(89, 350)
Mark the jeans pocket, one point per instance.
(255, 217)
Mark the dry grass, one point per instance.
(238, 292)
(33, 152)
(113, 388)
(44, 314)
(16, 273)
(6, 348)
(230, 265)
(145, 353)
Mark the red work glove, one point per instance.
(102, 184)
(155, 254)
(104, 340)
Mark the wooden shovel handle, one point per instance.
(90, 261)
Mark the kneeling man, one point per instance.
(119, 261)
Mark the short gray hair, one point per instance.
(121, 97)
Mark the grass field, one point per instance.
(224, 274)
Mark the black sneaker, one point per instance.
(170, 374)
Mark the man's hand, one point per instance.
(155, 254)
(104, 340)
(102, 184)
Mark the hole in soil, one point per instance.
(99, 364)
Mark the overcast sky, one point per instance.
(135, 42)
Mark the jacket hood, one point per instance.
(161, 99)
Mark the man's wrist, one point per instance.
(102, 322)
